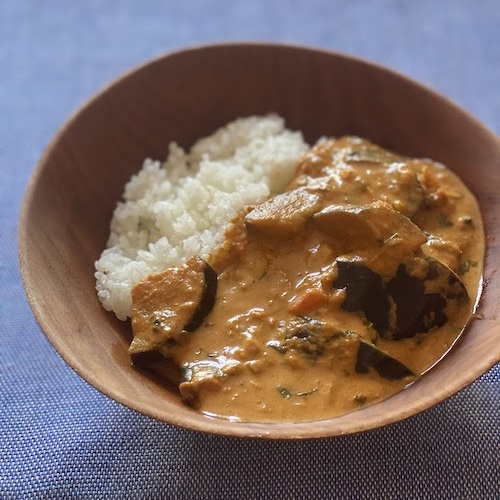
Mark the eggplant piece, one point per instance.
(167, 307)
(285, 214)
(365, 292)
(207, 301)
(424, 293)
(153, 361)
(204, 374)
(386, 366)
(376, 225)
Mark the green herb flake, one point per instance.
(306, 393)
(360, 399)
(262, 277)
(444, 221)
(466, 266)
(467, 220)
(285, 393)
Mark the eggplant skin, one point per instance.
(416, 311)
(207, 301)
(365, 292)
(386, 366)
(168, 308)
(421, 303)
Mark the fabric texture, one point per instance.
(60, 438)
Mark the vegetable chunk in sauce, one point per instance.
(332, 295)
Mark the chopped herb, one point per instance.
(306, 393)
(360, 399)
(285, 393)
(307, 336)
(349, 333)
(466, 266)
(263, 276)
(157, 324)
(444, 221)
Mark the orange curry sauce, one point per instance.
(333, 295)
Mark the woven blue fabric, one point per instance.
(59, 437)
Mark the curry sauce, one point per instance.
(332, 295)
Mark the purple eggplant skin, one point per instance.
(159, 335)
(155, 362)
(417, 309)
(386, 366)
(365, 292)
(207, 301)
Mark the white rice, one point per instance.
(183, 206)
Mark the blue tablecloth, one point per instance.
(59, 437)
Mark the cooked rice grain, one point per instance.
(183, 206)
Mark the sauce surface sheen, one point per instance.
(333, 295)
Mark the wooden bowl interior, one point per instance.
(187, 95)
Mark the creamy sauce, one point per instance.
(331, 296)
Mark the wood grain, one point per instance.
(183, 96)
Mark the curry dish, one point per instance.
(332, 295)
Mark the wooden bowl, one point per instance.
(186, 95)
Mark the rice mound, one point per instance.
(181, 207)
